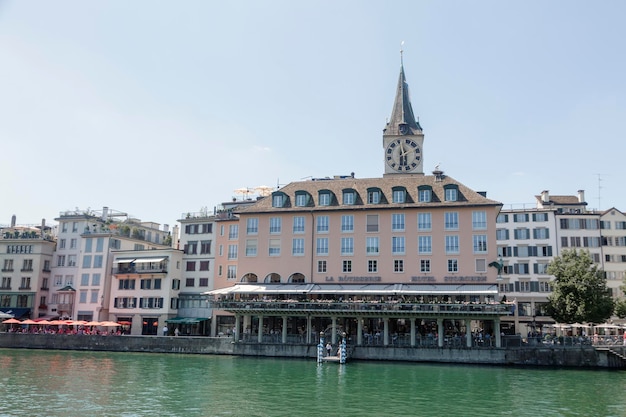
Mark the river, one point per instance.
(70, 383)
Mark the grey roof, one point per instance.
(411, 182)
(402, 112)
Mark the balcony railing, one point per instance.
(366, 308)
(147, 270)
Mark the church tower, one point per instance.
(402, 137)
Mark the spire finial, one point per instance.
(401, 52)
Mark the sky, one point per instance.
(158, 108)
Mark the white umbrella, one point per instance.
(4, 315)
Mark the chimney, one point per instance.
(43, 225)
(13, 219)
(105, 213)
(545, 196)
(175, 237)
(166, 228)
(581, 196)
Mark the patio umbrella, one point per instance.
(46, 322)
(92, 323)
(109, 324)
(4, 315)
(12, 321)
(29, 321)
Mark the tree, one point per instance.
(620, 305)
(580, 291)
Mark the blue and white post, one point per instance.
(320, 349)
(342, 349)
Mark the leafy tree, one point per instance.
(580, 291)
(620, 305)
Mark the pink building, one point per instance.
(399, 257)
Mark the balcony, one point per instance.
(7, 269)
(154, 269)
(65, 307)
(26, 269)
(24, 288)
(365, 309)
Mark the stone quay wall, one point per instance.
(557, 356)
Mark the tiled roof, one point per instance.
(561, 199)
(466, 196)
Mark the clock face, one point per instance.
(403, 155)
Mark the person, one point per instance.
(624, 338)
(176, 332)
(165, 330)
(329, 348)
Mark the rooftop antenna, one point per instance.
(599, 191)
(401, 53)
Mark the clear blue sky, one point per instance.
(157, 108)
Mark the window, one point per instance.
(372, 223)
(397, 222)
(146, 284)
(540, 217)
(521, 234)
(479, 220)
(6, 283)
(425, 265)
(373, 197)
(298, 224)
(252, 226)
(372, 265)
(207, 228)
(233, 231)
(278, 200)
(481, 265)
(190, 282)
(349, 198)
(301, 199)
(452, 244)
(424, 245)
(399, 196)
(322, 224)
(74, 227)
(191, 248)
(346, 266)
(451, 220)
(275, 225)
(84, 279)
(453, 265)
(297, 247)
(274, 247)
(322, 246)
(324, 199)
(71, 260)
(541, 233)
(232, 251)
(87, 261)
(424, 221)
(8, 265)
(190, 266)
(205, 265)
(251, 247)
(398, 265)
(541, 268)
(99, 244)
(94, 296)
(151, 302)
(502, 234)
(502, 218)
(372, 245)
(397, 245)
(95, 279)
(88, 245)
(321, 266)
(97, 261)
(126, 284)
(480, 243)
(231, 272)
(73, 243)
(347, 246)
(347, 223)
(203, 282)
(205, 247)
(451, 194)
(520, 217)
(82, 297)
(424, 194)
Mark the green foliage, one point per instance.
(580, 291)
(620, 308)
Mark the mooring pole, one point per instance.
(320, 349)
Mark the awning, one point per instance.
(360, 289)
(146, 260)
(186, 320)
(124, 261)
(16, 312)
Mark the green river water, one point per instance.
(67, 383)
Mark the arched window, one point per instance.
(297, 278)
(272, 278)
(249, 277)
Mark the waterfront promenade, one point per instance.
(527, 354)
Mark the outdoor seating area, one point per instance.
(63, 326)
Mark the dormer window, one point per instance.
(399, 195)
(325, 197)
(425, 194)
(302, 198)
(451, 192)
(375, 196)
(279, 199)
(349, 197)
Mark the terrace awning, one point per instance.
(146, 260)
(186, 320)
(359, 289)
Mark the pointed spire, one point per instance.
(402, 121)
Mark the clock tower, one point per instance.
(402, 137)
